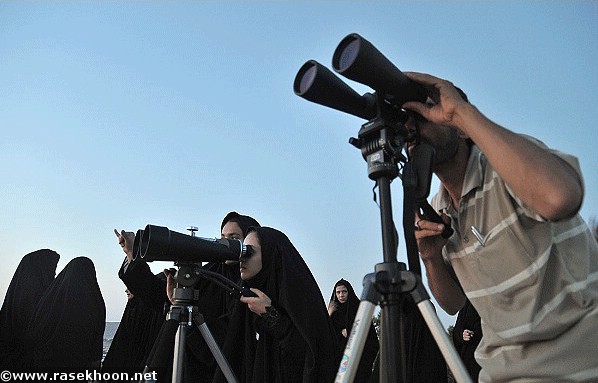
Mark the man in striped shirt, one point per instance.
(520, 252)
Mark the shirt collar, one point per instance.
(474, 178)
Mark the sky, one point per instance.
(122, 114)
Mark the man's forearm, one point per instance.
(557, 190)
(446, 291)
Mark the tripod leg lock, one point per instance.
(392, 278)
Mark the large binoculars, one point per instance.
(158, 243)
(357, 59)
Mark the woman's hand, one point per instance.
(467, 335)
(125, 240)
(332, 307)
(257, 304)
(170, 285)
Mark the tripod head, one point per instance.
(189, 273)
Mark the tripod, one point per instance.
(381, 141)
(184, 314)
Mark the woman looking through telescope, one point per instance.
(284, 334)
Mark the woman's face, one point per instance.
(232, 230)
(249, 267)
(341, 293)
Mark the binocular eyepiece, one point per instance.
(158, 243)
(358, 60)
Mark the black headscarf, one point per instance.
(342, 318)
(135, 336)
(214, 300)
(244, 221)
(31, 279)
(66, 331)
(345, 313)
(307, 351)
(216, 303)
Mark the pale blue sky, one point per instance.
(118, 115)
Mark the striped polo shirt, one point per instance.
(533, 282)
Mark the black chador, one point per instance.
(31, 279)
(66, 331)
(134, 338)
(342, 318)
(296, 343)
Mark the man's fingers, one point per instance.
(422, 225)
(423, 78)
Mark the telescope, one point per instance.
(158, 243)
(358, 60)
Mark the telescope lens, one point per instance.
(348, 53)
(305, 78)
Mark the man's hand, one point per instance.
(429, 237)
(447, 100)
(257, 304)
(430, 243)
(125, 240)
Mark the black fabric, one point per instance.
(425, 362)
(342, 318)
(31, 279)
(468, 318)
(66, 331)
(135, 336)
(300, 346)
(423, 358)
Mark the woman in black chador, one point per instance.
(284, 334)
(467, 334)
(342, 309)
(66, 331)
(135, 336)
(29, 282)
